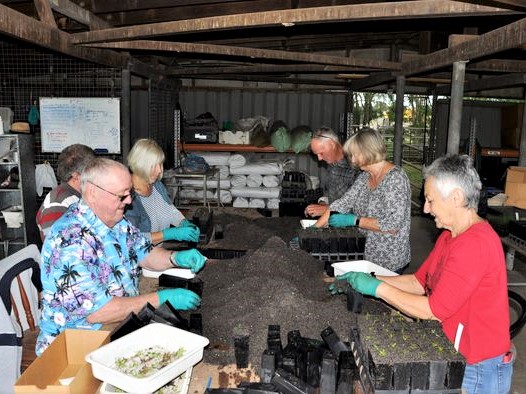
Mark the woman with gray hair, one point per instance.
(151, 210)
(463, 281)
(378, 202)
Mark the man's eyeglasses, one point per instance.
(120, 197)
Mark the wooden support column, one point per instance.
(522, 147)
(126, 113)
(455, 107)
(431, 148)
(399, 120)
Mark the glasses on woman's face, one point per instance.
(119, 196)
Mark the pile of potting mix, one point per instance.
(277, 286)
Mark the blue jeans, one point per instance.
(491, 376)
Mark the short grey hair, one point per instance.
(97, 170)
(325, 133)
(144, 156)
(73, 159)
(456, 171)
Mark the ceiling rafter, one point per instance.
(376, 11)
(252, 53)
(18, 25)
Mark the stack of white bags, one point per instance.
(242, 183)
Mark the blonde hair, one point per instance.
(144, 156)
(369, 143)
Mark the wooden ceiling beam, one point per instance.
(278, 79)
(504, 38)
(498, 65)
(373, 80)
(45, 13)
(20, 26)
(490, 83)
(263, 69)
(104, 6)
(251, 53)
(79, 14)
(347, 13)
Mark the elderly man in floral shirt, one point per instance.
(92, 257)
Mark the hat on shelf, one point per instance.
(20, 127)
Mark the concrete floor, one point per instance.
(423, 235)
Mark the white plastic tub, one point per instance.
(361, 266)
(180, 385)
(167, 337)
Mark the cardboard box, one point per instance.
(516, 187)
(64, 358)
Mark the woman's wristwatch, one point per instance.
(357, 224)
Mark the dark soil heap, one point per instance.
(270, 285)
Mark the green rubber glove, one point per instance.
(181, 299)
(189, 259)
(339, 287)
(187, 223)
(361, 282)
(343, 220)
(181, 234)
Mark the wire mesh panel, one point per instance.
(27, 73)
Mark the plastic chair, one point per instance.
(20, 289)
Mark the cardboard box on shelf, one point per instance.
(516, 187)
(62, 361)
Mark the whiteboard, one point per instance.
(92, 121)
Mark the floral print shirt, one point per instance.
(390, 204)
(84, 264)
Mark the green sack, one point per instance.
(300, 138)
(280, 139)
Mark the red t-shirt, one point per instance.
(466, 281)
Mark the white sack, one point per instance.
(210, 184)
(256, 192)
(254, 180)
(236, 160)
(215, 158)
(238, 180)
(226, 196)
(270, 181)
(224, 172)
(256, 203)
(262, 168)
(240, 202)
(201, 193)
(188, 193)
(273, 203)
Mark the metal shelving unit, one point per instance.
(17, 159)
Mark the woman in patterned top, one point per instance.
(378, 203)
(151, 210)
